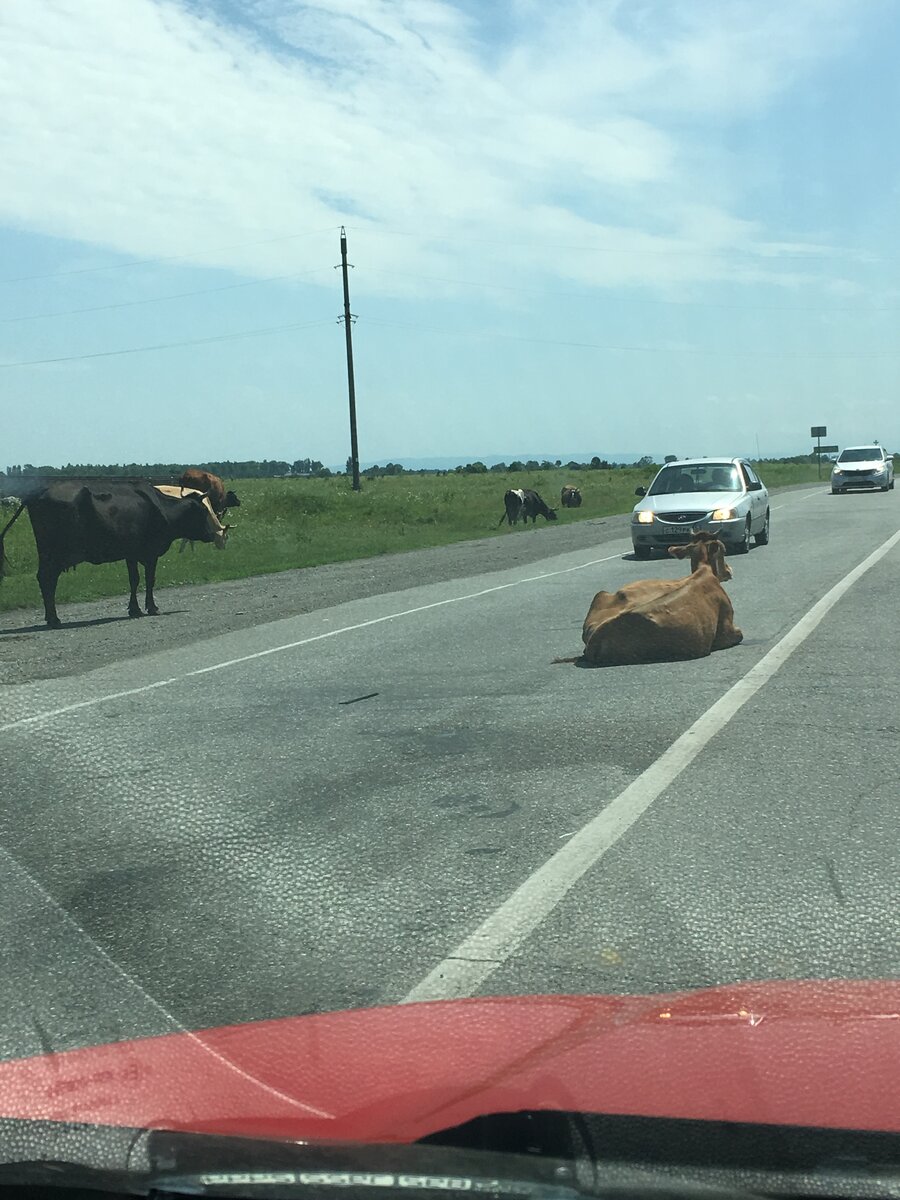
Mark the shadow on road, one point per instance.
(42, 628)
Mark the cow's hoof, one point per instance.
(135, 612)
(54, 623)
(153, 611)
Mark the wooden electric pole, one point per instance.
(351, 386)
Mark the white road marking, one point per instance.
(317, 637)
(505, 930)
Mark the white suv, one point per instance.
(862, 467)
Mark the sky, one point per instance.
(669, 226)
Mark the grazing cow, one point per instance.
(76, 521)
(524, 503)
(212, 485)
(656, 620)
(570, 497)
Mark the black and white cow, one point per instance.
(524, 503)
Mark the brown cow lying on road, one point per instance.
(660, 620)
(570, 497)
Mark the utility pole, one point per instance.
(348, 320)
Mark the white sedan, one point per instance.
(862, 467)
(724, 494)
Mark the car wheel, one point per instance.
(743, 546)
(762, 538)
(643, 552)
(835, 491)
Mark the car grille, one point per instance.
(681, 518)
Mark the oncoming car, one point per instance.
(724, 494)
(862, 467)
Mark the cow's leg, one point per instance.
(727, 633)
(134, 609)
(47, 577)
(149, 580)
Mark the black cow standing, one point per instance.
(76, 522)
(524, 503)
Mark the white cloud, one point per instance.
(157, 127)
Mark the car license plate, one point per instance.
(678, 529)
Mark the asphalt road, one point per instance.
(401, 797)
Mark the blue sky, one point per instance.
(662, 226)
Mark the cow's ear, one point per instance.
(679, 551)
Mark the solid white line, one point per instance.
(317, 637)
(504, 931)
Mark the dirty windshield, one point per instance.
(375, 754)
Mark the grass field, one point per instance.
(285, 523)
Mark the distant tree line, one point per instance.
(268, 468)
(478, 468)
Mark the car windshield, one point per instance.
(696, 477)
(860, 454)
(375, 752)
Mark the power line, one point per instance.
(770, 255)
(619, 299)
(68, 312)
(510, 337)
(143, 262)
(222, 337)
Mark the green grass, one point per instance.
(285, 523)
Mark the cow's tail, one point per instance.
(6, 527)
(505, 517)
(577, 658)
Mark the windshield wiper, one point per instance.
(162, 1164)
(523, 1156)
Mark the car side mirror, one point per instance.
(754, 487)
(640, 491)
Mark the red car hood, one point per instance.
(816, 1054)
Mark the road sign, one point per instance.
(825, 449)
(818, 431)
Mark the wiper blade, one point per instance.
(359, 1185)
(162, 1164)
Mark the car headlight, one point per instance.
(723, 514)
(644, 517)
(837, 471)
